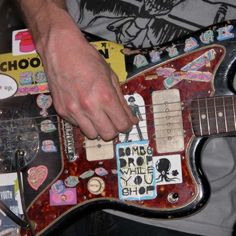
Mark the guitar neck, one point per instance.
(213, 115)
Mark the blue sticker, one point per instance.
(207, 37)
(58, 187)
(136, 175)
(26, 78)
(224, 33)
(190, 44)
(71, 181)
(100, 171)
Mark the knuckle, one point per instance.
(71, 107)
(87, 105)
(107, 132)
(107, 98)
(60, 111)
(124, 127)
(107, 136)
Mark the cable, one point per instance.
(5, 209)
(20, 153)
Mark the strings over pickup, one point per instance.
(213, 115)
(168, 120)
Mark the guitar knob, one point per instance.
(173, 197)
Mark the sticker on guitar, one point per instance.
(168, 169)
(139, 131)
(136, 175)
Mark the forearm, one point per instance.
(44, 16)
(85, 90)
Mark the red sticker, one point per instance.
(36, 176)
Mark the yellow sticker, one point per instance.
(26, 70)
(112, 52)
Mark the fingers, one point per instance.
(133, 119)
(88, 95)
(104, 126)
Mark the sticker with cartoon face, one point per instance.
(47, 126)
(44, 102)
(139, 131)
(49, 146)
(136, 174)
(168, 169)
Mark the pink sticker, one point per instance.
(68, 197)
(36, 176)
(26, 41)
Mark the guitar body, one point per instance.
(153, 171)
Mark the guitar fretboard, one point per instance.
(214, 115)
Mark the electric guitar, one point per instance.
(181, 92)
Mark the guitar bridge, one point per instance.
(69, 142)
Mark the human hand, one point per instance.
(85, 90)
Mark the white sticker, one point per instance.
(136, 174)
(8, 86)
(139, 131)
(168, 169)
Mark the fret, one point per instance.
(215, 113)
(220, 114)
(207, 117)
(225, 115)
(211, 111)
(195, 118)
(199, 117)
(203, 117)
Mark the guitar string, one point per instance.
(76, 139)
(182, 103)
(99, 145)
(146, 115)
(166, 112)
(156, 119)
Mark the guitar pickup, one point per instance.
(168, 122)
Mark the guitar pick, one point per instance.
(36, 176)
